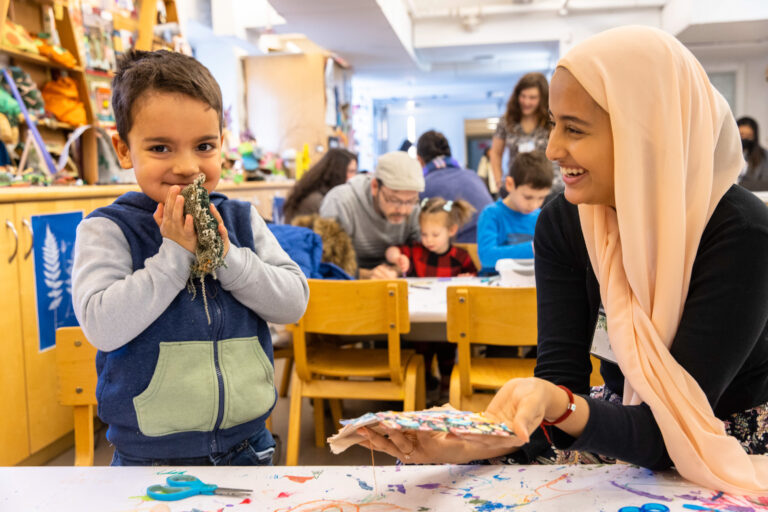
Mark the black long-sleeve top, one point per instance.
(722, 339)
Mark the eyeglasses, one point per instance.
(397, 202)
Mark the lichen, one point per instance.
(210, 246)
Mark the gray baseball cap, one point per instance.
(398, 171)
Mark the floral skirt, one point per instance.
(749, 427)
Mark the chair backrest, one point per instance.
(492, 315)
(472, 250)
(76, 375)
(354, 308)
(75, 367)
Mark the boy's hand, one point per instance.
(173, 223)
(222, 230)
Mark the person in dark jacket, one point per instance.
(444, 177)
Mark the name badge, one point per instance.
(601, 345)
(526, 147)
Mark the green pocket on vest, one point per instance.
(249, 380)
(183, 393)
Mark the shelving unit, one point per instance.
(28, 14)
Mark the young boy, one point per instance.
(505, 228)
(174, 387)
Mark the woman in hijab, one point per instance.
(652, 226)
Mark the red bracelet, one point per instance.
(568, 411)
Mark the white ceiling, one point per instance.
(506, 39)
(354, 29)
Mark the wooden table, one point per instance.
(427, 304)
(346, 489)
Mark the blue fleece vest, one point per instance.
(184, 387)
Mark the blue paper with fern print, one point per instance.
(54, 244)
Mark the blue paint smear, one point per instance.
(364, 485)
(429, 486)
(489, 505)
(398, 487)
(497, 477)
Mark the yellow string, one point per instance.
(373, 470)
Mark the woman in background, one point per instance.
(524, 126)
(334, 168)
(755, 175)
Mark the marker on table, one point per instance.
(699, 507)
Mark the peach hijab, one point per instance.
(676, 152)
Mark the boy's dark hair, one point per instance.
(432, 144)
(164, 71)
(532, 169)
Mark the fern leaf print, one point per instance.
(53, 245)
(52, 269)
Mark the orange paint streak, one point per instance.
(299, 479)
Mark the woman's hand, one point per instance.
(522, 404)
(421, 447)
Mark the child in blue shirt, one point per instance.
(181, 380)
(505, 228)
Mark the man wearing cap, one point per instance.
(378, 211)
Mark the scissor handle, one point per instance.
(184, 481)
(169, 493)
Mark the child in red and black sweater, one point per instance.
(434, 255)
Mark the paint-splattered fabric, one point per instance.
(750, 427)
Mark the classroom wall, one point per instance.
(448, 119)
(752, 86)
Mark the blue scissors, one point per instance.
(648, 507)
(184, 486)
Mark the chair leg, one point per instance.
(421, 387)
(286, 379)
(336, 413)
(454, 394)
(294, 421)
(319, 406)
(83, 435)
(413, 371)
(268, 423)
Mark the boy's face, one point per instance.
(173, 139)
(524, 199)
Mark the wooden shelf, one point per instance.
(36, 59)
(54, 124)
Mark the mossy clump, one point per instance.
(210, 246)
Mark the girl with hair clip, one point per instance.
(653, 228)
(435, 255)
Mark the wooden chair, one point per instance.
(333, 372)
(491, 316)
(472, 250)
(76, 372)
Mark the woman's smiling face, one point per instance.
(581, 142)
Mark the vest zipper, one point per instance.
(216, 329)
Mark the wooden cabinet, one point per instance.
(14, 435)
(48, 420)
(32, 418)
